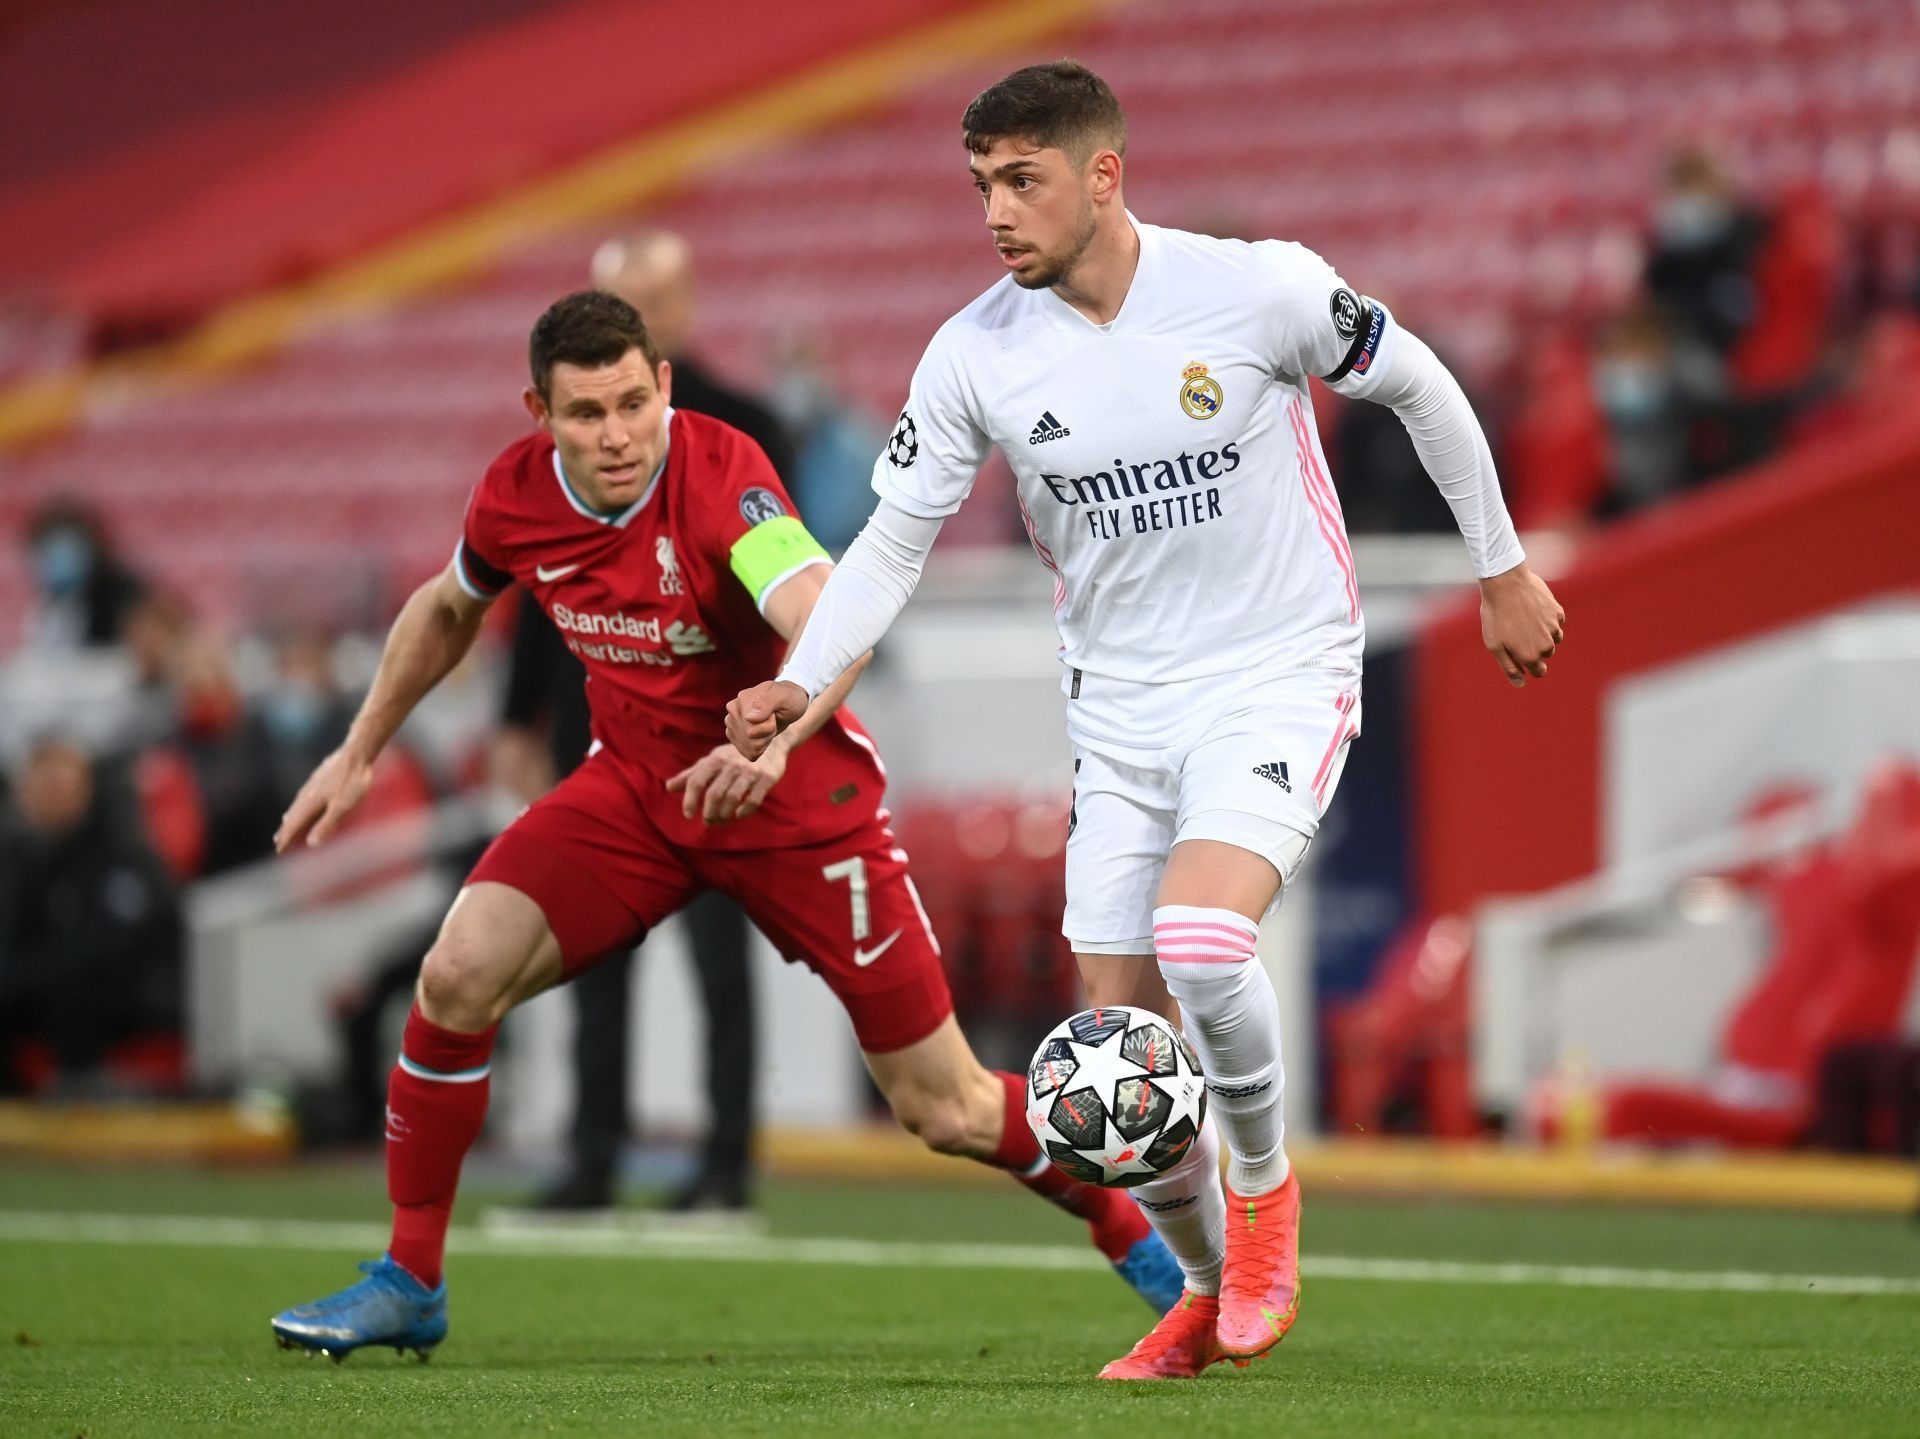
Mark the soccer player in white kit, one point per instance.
(1149, 388)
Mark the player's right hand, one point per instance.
(1521, 623)
(755, 716)
(325, 800)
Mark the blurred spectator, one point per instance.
(1796, 283)
(836, 444)
(1647, 411)
(248, 761)
(154, 634)
(653, 272)
(86, 593)
(155, 637)
(1555, 468)
(90, 926)
(1700, 267)
(303, 717)
(228, 751)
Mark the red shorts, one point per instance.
(603, 874)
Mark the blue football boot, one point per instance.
(389, 1306)
(1153, 1272)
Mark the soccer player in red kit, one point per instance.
(667, 552)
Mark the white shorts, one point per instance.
(1256, 769)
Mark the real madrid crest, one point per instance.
(1200, 394)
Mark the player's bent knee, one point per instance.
(465, 983)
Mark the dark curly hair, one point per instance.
(589, 328)
(1060, 105)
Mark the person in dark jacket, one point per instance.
(91, 937)
(86, 592)
(546, 734)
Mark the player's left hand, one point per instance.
(725, 785)
(1521, 623)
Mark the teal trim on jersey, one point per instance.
(619, 519)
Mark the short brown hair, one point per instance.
(1060, 105)
(589, 328)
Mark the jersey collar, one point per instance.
(1130, 302)
(620, 519)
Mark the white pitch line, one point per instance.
(228, 1233)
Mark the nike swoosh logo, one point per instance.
(547, 576)
(864, 957)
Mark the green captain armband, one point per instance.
(771, 551)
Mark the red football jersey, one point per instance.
(654, 601)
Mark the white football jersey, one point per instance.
(1170, 474)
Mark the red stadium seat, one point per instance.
(1403, 1044)
(1846, 943)
(154, 1063)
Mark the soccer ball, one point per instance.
(1115, 1096)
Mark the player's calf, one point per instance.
(941, 1093)
(493, 950)
(961, 1121)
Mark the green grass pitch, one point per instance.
(141, 1338)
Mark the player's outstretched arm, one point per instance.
(788, 610)
(844, 620)
(435, 630)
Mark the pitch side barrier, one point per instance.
(271, 942)
(1526, 951)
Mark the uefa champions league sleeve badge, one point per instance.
(903, 446)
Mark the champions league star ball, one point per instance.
(1115, 1096)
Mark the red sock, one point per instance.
(436, 1102)
(1116, 1221)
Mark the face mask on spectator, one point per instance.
(1691, 219)
(294, 713)
(63, 559)
(1630, 391)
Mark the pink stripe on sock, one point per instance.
(1238, 944)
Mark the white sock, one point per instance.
(1188, 1210)
(1233, 1018)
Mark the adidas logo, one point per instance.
(1048, 429)
(1277, 772)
